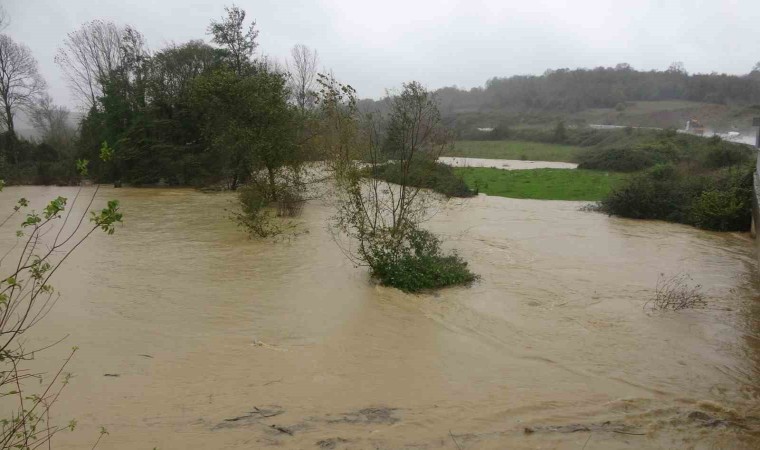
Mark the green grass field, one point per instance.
(531, 151)
(542, 184)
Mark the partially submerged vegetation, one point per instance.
(718, 200)
(542, 184)
(676, 292)
(687, 179)
(382, 218)
(424, 173)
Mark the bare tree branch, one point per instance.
(20, 83)
(303, 71)
(88, 57)
(5, 19)
(52, 122)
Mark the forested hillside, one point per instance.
(614, 95)
(604, 87)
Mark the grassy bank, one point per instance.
(542, 184)
(532, 151)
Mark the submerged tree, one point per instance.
(382, 219)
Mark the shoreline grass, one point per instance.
(542, 184)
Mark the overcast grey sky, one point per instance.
(375, 45)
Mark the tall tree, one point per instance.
(20, 83)
(677, 67)
(248, 123)
(174, 68)
(303, 72)
(88, 57)
(231, 34)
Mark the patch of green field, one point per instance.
(531, 151)
(542, 184)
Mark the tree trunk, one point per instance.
(11, 136)
(272, 184)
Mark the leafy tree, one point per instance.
(231, 34)
(248, 124)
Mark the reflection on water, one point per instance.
(224, 342)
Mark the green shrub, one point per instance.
(255, 216)
(718, 200)
(722, 154)
(626, 159)
(415, 262)
(260, 211)
(727, 206)
(428, 174)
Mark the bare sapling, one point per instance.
(45, 240)
(676, 292)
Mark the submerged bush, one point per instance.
(427, 174)
(415, 262)
(260, 210)
(255, 216)
(676, 292)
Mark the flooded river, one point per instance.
(221, 342)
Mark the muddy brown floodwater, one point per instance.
(221, 342)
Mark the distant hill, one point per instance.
(604, 87)
(617, 95)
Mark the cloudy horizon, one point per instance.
(377, 46)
